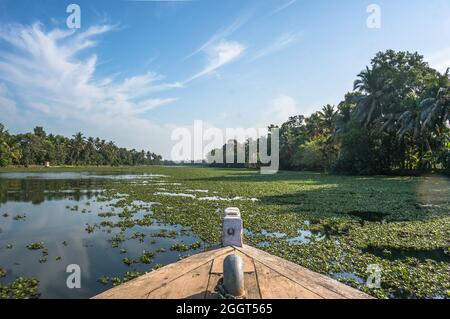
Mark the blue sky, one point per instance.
(138, 69)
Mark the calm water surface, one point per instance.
(56, 208)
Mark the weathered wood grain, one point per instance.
(251, 286)
(191, 285)
(276, 286)
(319, 284)
(212, 283)
(143, 285)
(265, 276)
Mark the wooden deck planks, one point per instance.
(212, 283)
(191, 285)
(266, 276)
(143, 285)
(251, 286)
(319, 284)
(276, 286)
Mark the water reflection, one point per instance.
(37, 191)
(77, 175)
(46, 205)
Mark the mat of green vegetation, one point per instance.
(335, 225)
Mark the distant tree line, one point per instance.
(395, 120)
(37, 148)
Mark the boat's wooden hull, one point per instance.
(266, 276)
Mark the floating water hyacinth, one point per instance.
(335, 225)
(36, 246)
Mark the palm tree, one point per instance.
(369, 105)
(435, 111)
(91, 153)
(313, 125)
(77, 148)
(327, 118)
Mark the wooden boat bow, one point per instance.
(265, 276)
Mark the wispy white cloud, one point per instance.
(218, 50)
(8, 105)
(218, 55)
(48, 75)
(220, 35)
(284, 6)
(282, 42)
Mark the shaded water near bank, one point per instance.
(61, 211)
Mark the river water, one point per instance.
(56, 210)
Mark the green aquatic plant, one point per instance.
(183, 247)
(157, 266)
(129, 275)
(118, 239)
(107, 223)
(125, 224)
(164, 233)
(126, 214)
(139, 236)
(103, 280)
(90, 229)
(36, 246)
(20, 288)
(181, 257)
(146, 257)
(195, 245)
(127, 261)
(341, 223)
(116, 281)
(179, 247)
(106, 214)
(145, 221)
(20, 217)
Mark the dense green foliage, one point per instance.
(21, 288)
(396, 119)
(38, 147)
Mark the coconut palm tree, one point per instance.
(369, 105)
(77, 148)
(435, 111)
(327, 118)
